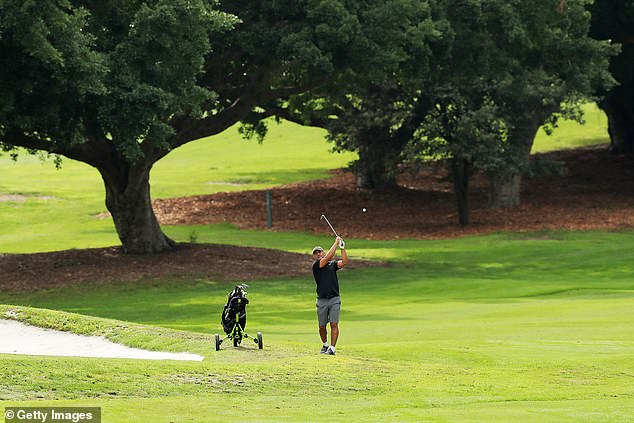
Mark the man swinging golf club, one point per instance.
(328, 300)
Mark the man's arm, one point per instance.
(330, 254)
(344, 258)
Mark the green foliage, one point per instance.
(511, 68)
(372, 113)
(155, 70)
(103, 69)
(455, 129)
(508, 67)
(377, 124)
(50, 70)
(528, 60)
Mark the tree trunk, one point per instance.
(460, 170)
(376, 167)
(505, 185)
(372, 174)
(620, 113)
(504, 190)
(128, 201)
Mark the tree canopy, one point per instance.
(500, 70)
(377, 114)
(119, 84)
(529, 60)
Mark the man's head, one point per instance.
(318, 253)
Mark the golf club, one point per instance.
(323, 216)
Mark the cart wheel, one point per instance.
(236, 342)
(260, 340)
(217, 342)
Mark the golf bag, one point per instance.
(234, 318)
(235, 311)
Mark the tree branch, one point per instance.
(92, 152)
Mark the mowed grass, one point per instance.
(570, 134)
(528, 327)
(505, 327)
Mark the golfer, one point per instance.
(328, 300)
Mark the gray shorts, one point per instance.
(328, 310)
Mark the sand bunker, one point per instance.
(19, 338)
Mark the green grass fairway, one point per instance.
(571, 134)
(528, 327)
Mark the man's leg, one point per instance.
(333, 318)
(323, 333)
(334, 333)
(322, 317)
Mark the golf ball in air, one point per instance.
(364, 210)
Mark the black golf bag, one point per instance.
(234, 318)
(235, 311)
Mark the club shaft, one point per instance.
(328, 222)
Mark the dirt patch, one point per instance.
(30, 272)
(596, 193)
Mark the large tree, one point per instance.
(530, 60)
(108, 84)
(512, 67)
(376, 114)
(614, 20)
(544, 61)
(463, 131)
(119, 84)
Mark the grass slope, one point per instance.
(570, 134)
(533, 327)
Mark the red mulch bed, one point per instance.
(26, 272)
(596, 193)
